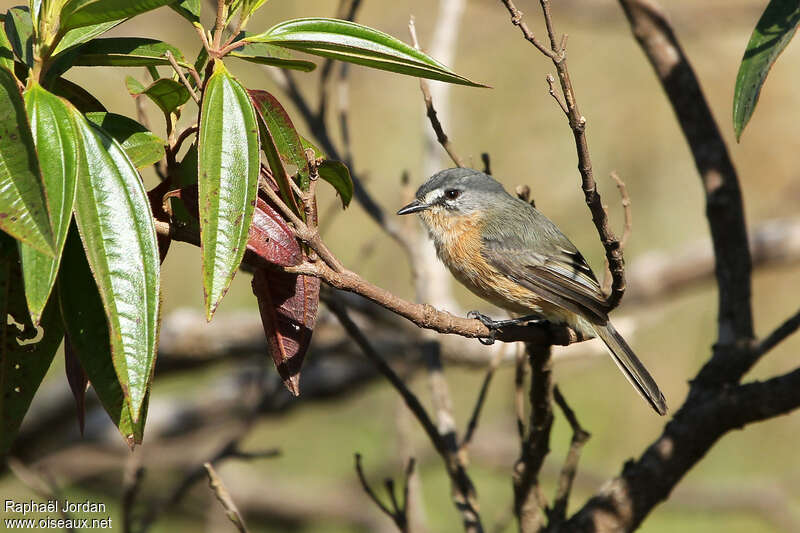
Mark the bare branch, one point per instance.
(577, 123)
(231, 511)
(570, 467)
(441, 136)
(528, 499)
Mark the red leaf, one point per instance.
(77, 379)
(271, 239)
(288, 304)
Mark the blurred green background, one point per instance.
(632, 130)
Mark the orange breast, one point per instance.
(458, 243)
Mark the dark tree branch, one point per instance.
(529, 502)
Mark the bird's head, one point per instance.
(453, 194)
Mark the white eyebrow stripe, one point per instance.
(434, 195)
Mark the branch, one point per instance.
(463, 490)
(570, 468)
(577, 122)
(441, 136)
(399, 511)
(231, 511)
(528, 499)
(724, 206)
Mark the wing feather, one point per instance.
(562, 278)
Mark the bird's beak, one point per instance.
(413, 207)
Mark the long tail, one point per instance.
(630, 365)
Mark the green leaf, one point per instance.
(77, 95)
(167, 93)
(354, 43)
(337, 174)
(283, 133)
(127, 52)
(19, 30)
(24, 360)
(113, 216)
(228, 169)
(774, 30)
(268, 54)
(188, 9)
(79, 13)
(56, 137)
(87, 330)
(83, 35)
(23, 208)
(317, 152)
(251, 6)
(35, 7)
(6, 52)
(140, 144)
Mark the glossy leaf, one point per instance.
(127, 52)
(288, 305)
(25, 352)
(84, 35)
(188, 9)
(354, 43)
(23, 208)
(228, 169)
(56, 137)
(88, 337)
(35, 7)
(113, 216)
(79, 13)
(142, 146)
(283, 133)
(772, 33)
(318, 154)
(6, 52)
(82, 99)
(268, 54)
(337, 174)
(270, 238)
(19, 30)
(270, 147)
(166, 93)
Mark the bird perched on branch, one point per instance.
(508, 253)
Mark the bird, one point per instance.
(508, 253)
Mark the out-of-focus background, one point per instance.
(750, 482)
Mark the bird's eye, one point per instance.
(452, 194)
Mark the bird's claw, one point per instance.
(489, 323)
(495, 325)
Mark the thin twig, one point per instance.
(487, 164)
(570, 467)
(476, 411)
(182, 76)
(789, 326)
(362, 478)
(441, 136)
(625, 200)
(551, 83)
(463, 490)
(224, 497)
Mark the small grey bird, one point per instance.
(508, 253)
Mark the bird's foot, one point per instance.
(495, 325)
